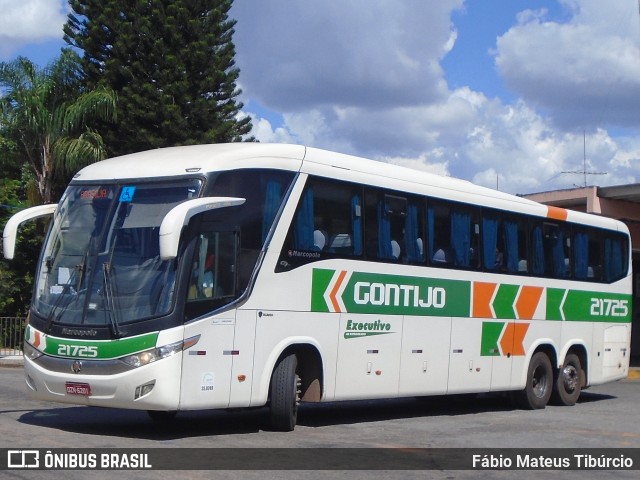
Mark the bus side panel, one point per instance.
(206, 367)
(468, 371)
(424, 367)
(505, 352)
(617, 339)
(368, 354)
(594, 370)
(243, 351)
(612, 348)
(278, 330)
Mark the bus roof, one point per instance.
(194, 159)
(202, 159)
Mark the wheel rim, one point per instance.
(539, 382)
(570, 378)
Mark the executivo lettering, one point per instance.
(366, 329)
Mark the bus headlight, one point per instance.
(30, 351)
(141, 359)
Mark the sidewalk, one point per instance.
(11, 359)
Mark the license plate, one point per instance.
(74, 388)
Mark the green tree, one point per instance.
(16, 277)
(46, 111)
(171, 62)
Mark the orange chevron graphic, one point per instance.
(491, 300)
(527, 302)
(482, 295)
(335, 289)
(512, 338)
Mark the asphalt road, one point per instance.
(605, 417)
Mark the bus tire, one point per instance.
(284, 393)
(537, 392)
(569, 381)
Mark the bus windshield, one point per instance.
(101, 264)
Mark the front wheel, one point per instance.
(285, 394)
(568, 385)
(537, 392)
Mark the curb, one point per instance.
(634, 374)
(11, 362)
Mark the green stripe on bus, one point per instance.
(597, 307)
(587, 306)
(554, 302)
(377, 293)
(385, 294)
(320, 283)
(98, 349)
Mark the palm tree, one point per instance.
(46, 112)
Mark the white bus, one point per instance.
(246, 275)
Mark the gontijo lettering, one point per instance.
(377, 293)
(393, 294)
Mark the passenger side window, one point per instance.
(337, 219)
(550, 250)
(213, 268)
(587, 255)
(213, 276)
(615, 257)
(395, 229)
(453, 235)
(328, 222)
(504, 243)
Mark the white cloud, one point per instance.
(263, 131)
(373, 53)
(363, 77)
(585, 72)
(29, 21)
(468, 136)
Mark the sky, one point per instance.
(519, 95)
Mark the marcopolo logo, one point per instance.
(340, 291)
(366, 329)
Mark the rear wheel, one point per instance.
(568, 385)
(537, 392)
(285, 394)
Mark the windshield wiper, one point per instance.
(110, 306)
